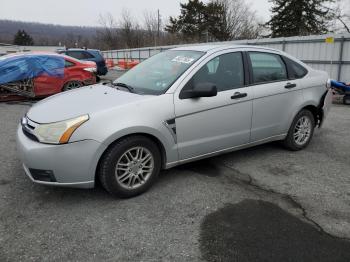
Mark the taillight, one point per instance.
(91, 69)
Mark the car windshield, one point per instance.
(155, 75)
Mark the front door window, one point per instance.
(226, 72)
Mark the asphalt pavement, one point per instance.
(260, 204)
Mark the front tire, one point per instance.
(130, 166)
(301, 131)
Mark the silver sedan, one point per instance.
(176, 107)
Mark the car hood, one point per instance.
(86, 100)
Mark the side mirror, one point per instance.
(200, 90)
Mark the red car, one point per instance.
(43, 74)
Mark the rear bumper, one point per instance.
(69, 165)
(102, 70)
(327, 104)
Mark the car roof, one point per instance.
(219, 47)
(40, 53)
(78, 49)
(35, 53)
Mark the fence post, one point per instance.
(340, 57)
(284, 45)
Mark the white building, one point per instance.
(9, 49)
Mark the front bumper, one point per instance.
(71, 165)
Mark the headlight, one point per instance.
(59, 132)
(91, 69)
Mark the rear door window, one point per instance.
(96, 54)
(87, 55)
(76, 54)
(68, 63)
(295, 70)
(267, 67)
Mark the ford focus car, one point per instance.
(178, 106)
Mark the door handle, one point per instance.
(290, 85)
(238, 95)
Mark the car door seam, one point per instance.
(213, 108)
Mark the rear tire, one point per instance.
(71, 85)
(301, 131)
(130, 166)
(346, 100)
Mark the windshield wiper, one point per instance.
(130, 88)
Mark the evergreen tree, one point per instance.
(174, 27)
(299, 17)
(216, 19)
(22, 38)
(191, 23)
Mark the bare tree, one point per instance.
(152, 27)
(108, 34)
(339, 13)
(70, 40)
(240, 21)
(129, 29)
(342, 16)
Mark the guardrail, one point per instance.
(332, 55)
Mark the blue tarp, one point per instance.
(19, 67)
(340, 85)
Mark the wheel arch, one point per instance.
(152, 137)
(314, 108)
(316, 112)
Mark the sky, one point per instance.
(86, 12)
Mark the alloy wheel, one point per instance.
(72, 85)
(134, 167)
(302, 131)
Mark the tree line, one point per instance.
(216, 20)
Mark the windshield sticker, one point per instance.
(183, 59)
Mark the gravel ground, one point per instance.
(259, 204)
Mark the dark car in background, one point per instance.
(88, 55)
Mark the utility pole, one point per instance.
(158, 27)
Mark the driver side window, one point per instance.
(226, 72)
